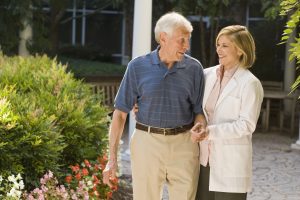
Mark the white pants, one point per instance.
(157, 159)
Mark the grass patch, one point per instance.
(86, 68)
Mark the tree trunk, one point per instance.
(53, 38)
(203, 46)
(213, 34)
(57, 11)
(25, 34)
(129, 27)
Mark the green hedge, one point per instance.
(48, 119)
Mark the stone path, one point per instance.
(276, 168)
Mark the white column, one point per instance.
(83, 24)
(289, 71)
(74, 23)
(297, 144)
(141, 37)
(289, 78)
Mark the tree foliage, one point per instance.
(214, 11)
(291, 9)
(45, 23)
(270, 8)
(12, 13)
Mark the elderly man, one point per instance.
(167, 85)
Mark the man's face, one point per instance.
(175, 45)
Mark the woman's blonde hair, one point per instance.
(243, 40)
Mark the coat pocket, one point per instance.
(237, 160)
(231, 106)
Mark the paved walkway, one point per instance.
(276, 174)
(276, 168)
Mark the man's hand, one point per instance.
(109, 173)
(199, 133)
(115, 133)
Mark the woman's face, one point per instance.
(228, 53)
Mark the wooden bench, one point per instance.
(272, 85)
(276, 105)
(105, 91)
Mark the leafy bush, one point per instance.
(48, 119)
(291, 8)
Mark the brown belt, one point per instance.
(164, 131)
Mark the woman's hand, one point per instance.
(135, 110)
(198, 133)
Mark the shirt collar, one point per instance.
(227, 73)
(156, 61)
(154, 56)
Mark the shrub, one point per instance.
(48, 119)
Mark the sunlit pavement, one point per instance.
(276, 167)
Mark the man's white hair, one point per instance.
(170, 22)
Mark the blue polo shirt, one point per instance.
(166, 98)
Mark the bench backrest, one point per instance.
(106, 91)
(272, 85)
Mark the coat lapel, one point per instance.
(210, 79)
(227, 89)
(233, 83)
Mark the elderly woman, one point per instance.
(231, 102)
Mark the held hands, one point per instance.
(109, 173)
(198, 132)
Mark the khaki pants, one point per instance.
(157, 159)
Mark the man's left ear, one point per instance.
(162, 37)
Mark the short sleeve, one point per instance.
(127, 93)
(198, 91)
